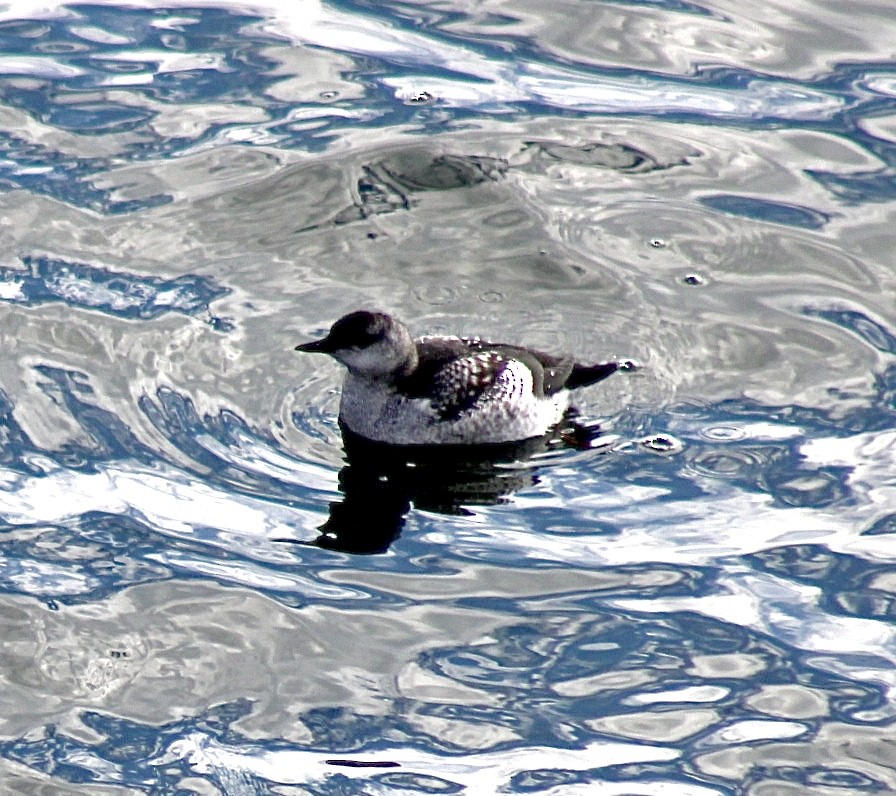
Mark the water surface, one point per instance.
(699, 602)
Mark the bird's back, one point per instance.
(472, 363)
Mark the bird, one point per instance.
(446, 390)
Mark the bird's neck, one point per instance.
(400, 370)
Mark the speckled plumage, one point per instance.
(446, 390)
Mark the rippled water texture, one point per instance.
(199, 594)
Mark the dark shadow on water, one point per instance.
(380, 482)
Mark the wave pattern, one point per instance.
(689, 590)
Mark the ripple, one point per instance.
(116, 293)
(662, 443)
(169, 465)
(727, 464)
(491, 297)
(491, 771)
(617, 156)
(766, 210)
(723, 433)
(436, 295)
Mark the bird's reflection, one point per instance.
(380, 482)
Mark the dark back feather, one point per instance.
(453, 372)
(459, 370)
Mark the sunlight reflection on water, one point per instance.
(698, 601)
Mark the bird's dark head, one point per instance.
(371, 344)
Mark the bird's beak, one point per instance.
(315, 347)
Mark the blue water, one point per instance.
(200, 593)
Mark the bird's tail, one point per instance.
(584, 375)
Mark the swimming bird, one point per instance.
(446, 390)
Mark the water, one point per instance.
(199, 595)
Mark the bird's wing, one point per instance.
(454, 373)
(549, 372)
(461, 382)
